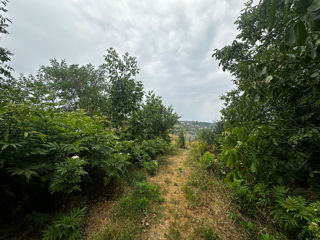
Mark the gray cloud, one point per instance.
(172, 39)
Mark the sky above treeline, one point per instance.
(173, 41)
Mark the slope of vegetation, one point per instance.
(70, 131)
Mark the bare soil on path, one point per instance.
(179, 218)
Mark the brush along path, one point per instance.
(187, 213)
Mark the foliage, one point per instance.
(73, 126)
(125, 93)
(36, 150)
(207, 161)
(151, 166)
(132, 207)
(5, 70)
(296, 215)
(181, 141)
(77, 87)
(211, 135)
(271, 116)
(243, 196)
(68, 175)
(66, 226)
(266, 237)
(153, 119)
(271, 132)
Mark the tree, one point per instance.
(271, 118)
(211, 135)
(124, 92)
(78, 87)
(153, 119)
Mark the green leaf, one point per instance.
(290, 37)
(268, 79)
(264, 71)
(302, 6)
(313, 16)
(257, 97)
(301, 33)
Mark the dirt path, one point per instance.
(181, 219)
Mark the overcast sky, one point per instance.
(173, 41)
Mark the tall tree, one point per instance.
(77, 86)
(125, 92)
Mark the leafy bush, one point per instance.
(37, 149)
(68, 175)
(181, 141)
(151, 167)
(295, 214)
(207, 161)
(198, 148)
(66, 226)
(153, 119)
(243, 196)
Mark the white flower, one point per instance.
(75, 157)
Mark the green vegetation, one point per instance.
(268, 145)
(66, 226)
(69, 129)
(191, 129)
(131, 210)
(181, 142)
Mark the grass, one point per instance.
(190, 195)
(167, 181)
(173, 234)
(130, 211)
(205, 233)
(127, 230)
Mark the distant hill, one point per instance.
(192, 128)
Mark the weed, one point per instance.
(174, 201)
(167, 181)
(134, 206)
(205, 233)
(173, 234)
(266, 237)
(190, 195)
(120, 231)
(66, 226)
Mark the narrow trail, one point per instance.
(171, 181)
(179, 218)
